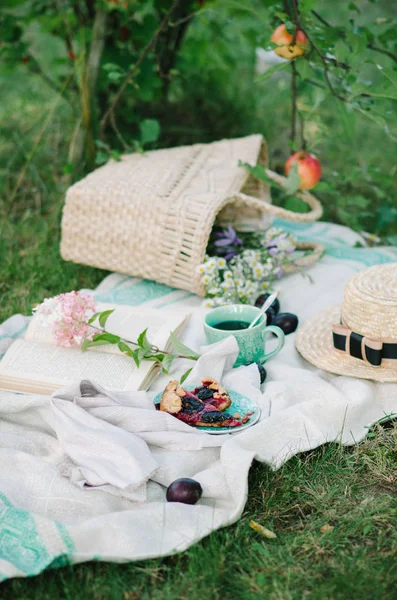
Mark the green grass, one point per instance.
(31, 267)
(350, 491)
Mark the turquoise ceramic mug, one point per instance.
(251, 341)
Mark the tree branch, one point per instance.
(325, 64)
(84, 140)
(131, 73)
(321, 19)
(96, 49)
(303, 139)
(118, 133)
(295, 17)
(315, 83)
(382, 51)
(169, 41)
(293, 103)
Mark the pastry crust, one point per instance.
(171, 400)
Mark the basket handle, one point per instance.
(283, 213)
(306, 261)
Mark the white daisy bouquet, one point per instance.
(238, 268)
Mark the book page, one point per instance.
(59, 366)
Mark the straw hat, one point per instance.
(360, 338)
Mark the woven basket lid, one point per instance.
(370, 310)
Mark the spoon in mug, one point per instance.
(264, 308)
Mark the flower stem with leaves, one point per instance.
(140, 350)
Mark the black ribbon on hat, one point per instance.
(361, 347)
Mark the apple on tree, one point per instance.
(309, 169)
(285, 47)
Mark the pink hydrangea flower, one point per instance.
(68, 315)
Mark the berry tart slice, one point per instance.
(202, 407)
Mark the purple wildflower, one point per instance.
(275, 240)
(227, 243)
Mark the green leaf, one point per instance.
(180, 347)
(111, 67)
(185, 375)
(159, 357)
(150, 131)
(143, 353)
(259, 172)
(389, 74)
(109, 338)
(359, 201)
(296, 204)
(293, 181)
(89, 343)
(122, 346)
(304, 68)
(135, 356)
(116, 155)
(101, 144)
(167, 362)
(93, 318)
(103, 317)
(307, 5)
(92, 343)
(142, 340)
(341, 51)
(357, 42)
(101, 158)
(115, 76)
(385, 215)
(269, 72)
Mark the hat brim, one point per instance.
(314, 342)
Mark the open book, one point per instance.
(36, 365)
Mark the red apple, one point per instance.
(309, 169)
(283, 39)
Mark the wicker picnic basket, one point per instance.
(150, 215)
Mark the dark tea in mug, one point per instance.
(232, 325)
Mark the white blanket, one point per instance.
(85, 478)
